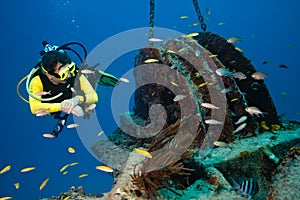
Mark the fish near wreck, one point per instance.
(223, 72)
(240, 127)
(259, 76)
(254, 110)
(209, 105)
(247, 187)
(241, 120)
(239, 75)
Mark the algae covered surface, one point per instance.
(276, 172)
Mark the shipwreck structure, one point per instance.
(187, 102)
(183, 150)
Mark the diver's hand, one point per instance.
(68, 104)
(77, 110)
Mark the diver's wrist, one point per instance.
(81, 99)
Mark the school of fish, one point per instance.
(248, 187)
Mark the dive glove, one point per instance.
(106, 79)
(77, 110)
(68, 104)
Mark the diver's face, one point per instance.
(59, 67)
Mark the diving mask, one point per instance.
(64, 72)
(67, 69)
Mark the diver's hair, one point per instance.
(51, 58)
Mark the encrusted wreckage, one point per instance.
(180, 133)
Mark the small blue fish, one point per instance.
(223, 72)
(247, 187)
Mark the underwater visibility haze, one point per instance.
(266, 31)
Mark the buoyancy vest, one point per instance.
(56, 89)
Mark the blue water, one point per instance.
(269, 30)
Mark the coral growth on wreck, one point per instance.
(285, 182)
(188, 68)
(148, 183)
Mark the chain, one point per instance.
(200, 17)
(152, 5)
(151, 31)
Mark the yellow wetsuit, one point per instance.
(36, 85)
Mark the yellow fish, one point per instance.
(213, 55)
(5, 169)
(44, 183)
(182, 49)
(100, 133)
(151, 60)
(64, 167)
(235, 99)
(65, 172)
(191, 34)
(143, 152)
(71, 150)
(239, 49)
(27, 169)
(17, 185)
(184, 17)
(173, 83)
(170, 51)
(66, 198)
(73, 164)
(203, 84)
(5, 198)
(82, 175)
(104, 168)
